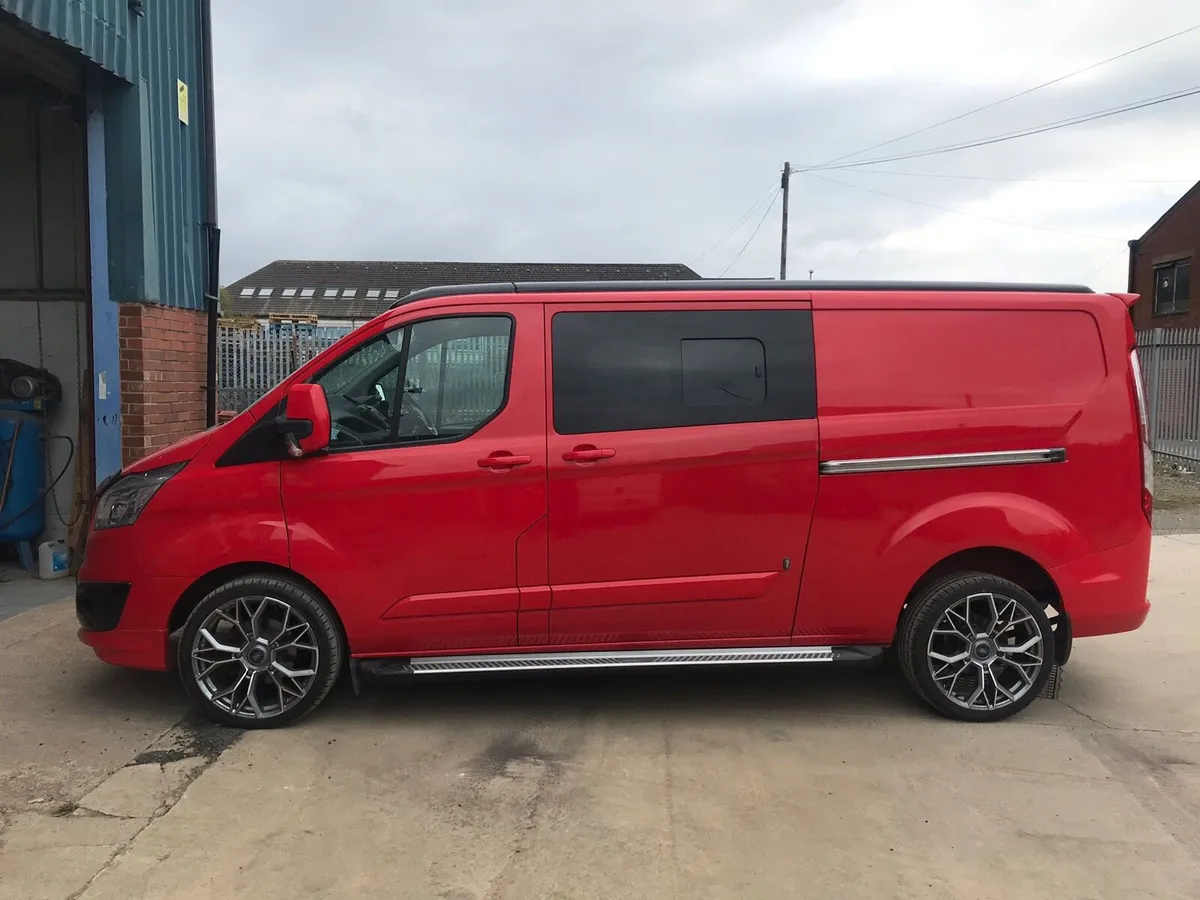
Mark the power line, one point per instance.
(752, 234)
(1030, 180)
(959, 212)
(1023, 93)
(1026, 132)
(1112, 260)
(740, 222)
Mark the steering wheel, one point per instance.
(374, 416)
(413, 420)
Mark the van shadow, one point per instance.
(129, 693)
(708, 694)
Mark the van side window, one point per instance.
(626, 371)
(455, 379)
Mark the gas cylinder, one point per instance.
(22, 449)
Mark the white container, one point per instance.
(53, 559)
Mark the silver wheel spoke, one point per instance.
(255, 657)
(957, 657)
(1023, 648)
(211, 666)
(969, 663)
(229, 691)
(225, 617)
(293, 674)
(953, 618)
(995, 613)
(217, 645)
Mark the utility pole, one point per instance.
(785, 183)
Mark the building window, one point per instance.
(349, 292)
(307, 293)
(391, 294)
(1172, 286)
(289, 292)
(265, 292)
(247, 292)
(373, 294)
(331, 292)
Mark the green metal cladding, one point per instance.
(155, 162)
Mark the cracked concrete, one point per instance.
(746, 784)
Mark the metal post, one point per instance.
(1154, 385)
(785, 183)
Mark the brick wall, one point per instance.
(163, 352)
(1176, 236)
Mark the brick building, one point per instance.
(108, 237)
(1160, 267)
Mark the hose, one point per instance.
(41, 498)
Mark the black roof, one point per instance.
(739, 284)
(344, 289)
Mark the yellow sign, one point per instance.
(183, 101)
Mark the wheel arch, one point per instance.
(207, 583)
(1010, 565)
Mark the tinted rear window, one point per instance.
(626, 371)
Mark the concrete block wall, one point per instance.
(162, 376)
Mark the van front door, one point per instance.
(682, 457)
(410, 522)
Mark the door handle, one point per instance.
(502, 459)
(588, 453)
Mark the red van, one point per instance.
(562, 476)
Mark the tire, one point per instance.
(992, 653)
(260, 651)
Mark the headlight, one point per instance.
(122, 503)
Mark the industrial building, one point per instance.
(108, 248)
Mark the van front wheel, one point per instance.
(976, 647)
(260, 652)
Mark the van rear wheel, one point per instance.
(260, 652)
(976, 647)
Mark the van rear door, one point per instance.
(682, 459)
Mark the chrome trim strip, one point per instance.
(433, 665)
(942, 461)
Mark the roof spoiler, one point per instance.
(1127, 299)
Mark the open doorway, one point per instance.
(45, 394)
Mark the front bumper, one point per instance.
(135, 635)
(131, 648)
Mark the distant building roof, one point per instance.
(334, 289)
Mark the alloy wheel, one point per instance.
(985, 652)
(255, 657)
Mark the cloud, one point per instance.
(623, 131)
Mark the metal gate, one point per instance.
(1171, 367)
(253, 358)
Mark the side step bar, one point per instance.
(617, 659)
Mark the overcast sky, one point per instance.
(643, 130)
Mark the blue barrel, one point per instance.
(21, 442)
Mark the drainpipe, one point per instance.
(211, 233)
(1131, 278)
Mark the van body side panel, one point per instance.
(416, 544)
(941, 377)
(693, 532)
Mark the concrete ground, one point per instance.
(21, 591)
(742, 784)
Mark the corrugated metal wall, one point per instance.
(168, 51)
(155, 161)
(97, 28)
